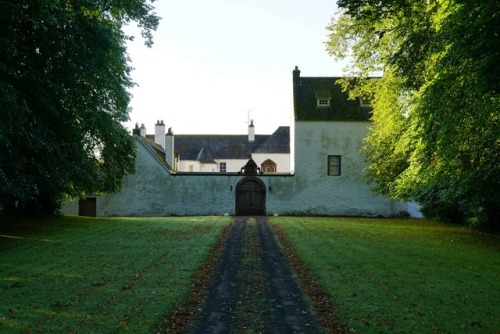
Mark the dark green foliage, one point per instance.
(64, 76)
(436, 133)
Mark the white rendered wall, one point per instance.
(154, 191)
(232, 165)
(282, 161)
(184, 166)
(313, 191)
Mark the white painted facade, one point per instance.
(301, 185)
(282, 161)
(196, 166)
(318, 193)
(234, 165)
(237, 149)
(156, 191)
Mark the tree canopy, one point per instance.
(435, 137)
(64, 79)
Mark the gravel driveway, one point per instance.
(253, 289)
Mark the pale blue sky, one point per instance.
(212, 61)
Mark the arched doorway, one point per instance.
(250, 197)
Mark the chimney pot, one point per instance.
(251, 131)
(160, 134)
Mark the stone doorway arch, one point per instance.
(250, 197)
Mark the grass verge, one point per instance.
(76, 274)
(401, 276)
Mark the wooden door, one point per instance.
(250, 198)
(87, 207)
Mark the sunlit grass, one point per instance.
(402, 276)
(99, 275)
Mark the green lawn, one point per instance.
(99, 275)
(402, 276)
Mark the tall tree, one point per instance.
(436, 132)
(64, 76)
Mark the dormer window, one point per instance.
(323, 98)
(323, 102)
(365, 102)
(268, 166)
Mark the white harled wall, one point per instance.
(154, 191)
(315, 192)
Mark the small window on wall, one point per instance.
(323, 102)
(334, 165)
(222, 167)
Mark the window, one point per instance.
(365, 102)
(334, 165)
(268, 166)
(323, 102)
(222, 167)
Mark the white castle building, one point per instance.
(203, 175)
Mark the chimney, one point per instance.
(296, 85)
(169, 149)
(160, 133)
(251, 131)
(296, 76)
(136, 131)
(142, 130)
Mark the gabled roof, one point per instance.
(220, 146)
(278, 142)
(307, 90)
(211, 147)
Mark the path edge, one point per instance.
(320, 301)
(182, 315)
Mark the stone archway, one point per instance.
(250, 197)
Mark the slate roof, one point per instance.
(278, 142)
(205, 156)
(308, 89)
(210, 147)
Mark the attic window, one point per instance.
(323, 97)
(365, 102)
(323, 102)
